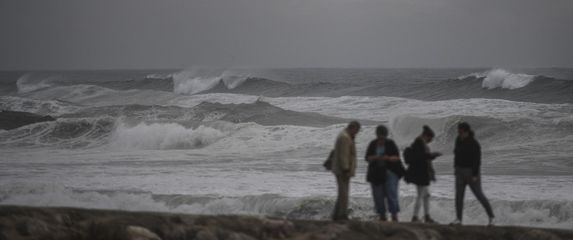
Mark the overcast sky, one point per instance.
(119, 34)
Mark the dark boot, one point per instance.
(428, 219)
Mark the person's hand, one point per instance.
(437, 154)
(373, 158)
(393, 159)
(474, 179)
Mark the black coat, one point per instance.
(420, 169)
(467, 154)
(377, 172)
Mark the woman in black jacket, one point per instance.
(421, 172)
(467, 161)
(384, 172)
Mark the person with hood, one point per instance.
(421, 172)
(384, 172)
(467, 162)
(343, 168)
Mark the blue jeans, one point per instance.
(386, 194)
(379, 194)
(391, 187)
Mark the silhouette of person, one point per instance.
(421, 172)
(343, 167)
(467, 161)
(384, 172)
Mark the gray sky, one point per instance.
(72, 34)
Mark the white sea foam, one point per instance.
(175, 163)
(34, 81)
(163, 136)
(62, 133)
(76, 93)
(184, 84)
(554, 213)
(501, 78)
(386, 108)
(51, 107)
(196, 81)
(232, 81)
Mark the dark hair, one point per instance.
(428, 131)
(353, 125)
(464, 126)
(382, 130)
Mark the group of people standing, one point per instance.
(385, 169)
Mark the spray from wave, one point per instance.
(30, 82)
(199, 80)
(162, 136)
(64, 133)
(501, 78)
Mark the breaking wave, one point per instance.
(501, 78)
(30, 82)
(64, 133)
(196, 81)
(42, 107)
(164, 136)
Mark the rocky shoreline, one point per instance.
(18, 222)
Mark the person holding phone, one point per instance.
(421, 172)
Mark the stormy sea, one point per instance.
(252, 141)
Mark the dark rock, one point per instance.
(205, 234)
(83, 224)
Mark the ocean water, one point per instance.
(252, 141)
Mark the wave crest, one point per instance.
(30, 82)
(65, 133)
(196, 81)
(164, 136)
(501, 78)
(42, 107)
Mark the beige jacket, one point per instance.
(344, 154)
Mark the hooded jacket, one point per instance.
(420, 170)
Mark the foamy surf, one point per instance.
(218, 142)
(501, 78)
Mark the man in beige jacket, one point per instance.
(343, 167)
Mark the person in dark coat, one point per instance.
(421, 172)
(467, 162)
(384, 172)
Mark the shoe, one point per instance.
(383, 218)
(457, 222)
(340, 218)
(491, 222)
(428, 219)
(415, 219)
(395, 218)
